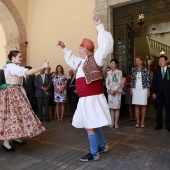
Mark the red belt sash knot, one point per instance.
(83, 89)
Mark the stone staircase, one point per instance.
(156, 47)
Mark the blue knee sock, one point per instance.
(93, 143)
(100, 137)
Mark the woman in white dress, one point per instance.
(17, 119)
(114, 88)
(140, 89)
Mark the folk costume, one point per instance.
(92, 110)
(17, 118)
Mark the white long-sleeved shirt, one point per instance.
(15, 70)
(105, 47)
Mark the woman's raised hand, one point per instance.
(46, 64)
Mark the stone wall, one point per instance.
(13, 27)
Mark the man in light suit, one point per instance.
(161, 92)
(42, 84)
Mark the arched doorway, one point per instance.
(13, 27)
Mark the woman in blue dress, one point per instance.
(59, 81)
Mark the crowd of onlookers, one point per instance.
(134, 89)
(48, 92)
(127, 95)
(51, 93)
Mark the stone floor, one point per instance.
(61, 146)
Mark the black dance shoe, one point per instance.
(18, 143)
(8, 150)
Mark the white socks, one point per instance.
(6, 144)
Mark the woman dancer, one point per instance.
(17, 118)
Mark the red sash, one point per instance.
(83, 89)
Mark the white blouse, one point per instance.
(105, 47)
(14, 70)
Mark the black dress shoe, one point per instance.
(47, 120)
(8, 150)
(19, 143)
(157, 128)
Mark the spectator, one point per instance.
(2, 77)
(114, 88)
(104, 84)
(71, 92)
(128, 99)
(140, 89)
(28, 85)
(51, 100)
(161, 92)
(123, 106)
(43, 84)
(108, 68)
(60, 82)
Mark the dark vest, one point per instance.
(91, 70)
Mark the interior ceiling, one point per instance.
(152, 25)
(152, 29)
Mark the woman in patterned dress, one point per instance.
(60, 81)
(17, 118)
(114, 88)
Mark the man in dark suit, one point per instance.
(42, 84)
(2, 77)
(161, 92)
(28, 85)
(71, 92)
(51, 100)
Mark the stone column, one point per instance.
(104, 11)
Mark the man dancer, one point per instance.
(92, 110)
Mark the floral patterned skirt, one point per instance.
(114, 101)
(17, 118)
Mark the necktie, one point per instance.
(163, 73)
(43, 77)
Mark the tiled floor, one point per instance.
(61, 146)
